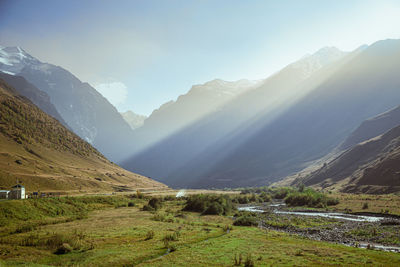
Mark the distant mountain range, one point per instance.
(185, 153)
(134, 120)
(44, 155)
(323, 108)
(80, 106)
(282, 125)
(173, 116)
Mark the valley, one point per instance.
(199, 133)
(108, 230)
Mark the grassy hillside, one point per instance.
(44, 155)
(36, 96)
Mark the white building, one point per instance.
(17, 192)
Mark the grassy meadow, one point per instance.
(116, 231)
(387, 204)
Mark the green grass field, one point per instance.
(104, 231)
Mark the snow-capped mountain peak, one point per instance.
(14, 59)
(324, 56)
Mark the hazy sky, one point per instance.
(140, 54)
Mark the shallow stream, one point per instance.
(276, 208)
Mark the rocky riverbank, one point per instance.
(365, 231)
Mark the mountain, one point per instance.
(373, 127)
(134, 120)
(362, 86)
(173, 116)
(39, 98)
(372, 166)
(44, 155)
(186, 155)
(82, 108)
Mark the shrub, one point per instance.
(265, 197)
(365, 206)
(301, 188)
(131, 204)
(243, 200)
(63, 249)
(153, 204)
(282, 192)
(214, 209)
(309, 198)
(170, 237)
(209, 204)
(332, 201)
(246, 221)
(253, 198)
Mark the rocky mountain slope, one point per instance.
(83, 109)
(372, 166)
(44, 155)
(373, 127)
(365, 159)
(365, 85)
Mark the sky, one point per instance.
(141, 54)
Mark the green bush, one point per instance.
(63, 249)
(153, 204)
(246, 221)
(242, 200)
(265, 197)
(171, 237)
(214, 209)
(282, 192)
(209, 204)
(310, 198)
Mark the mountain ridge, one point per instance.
(39, 98)
(83, 109)
(44, 155)
(236, 117)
